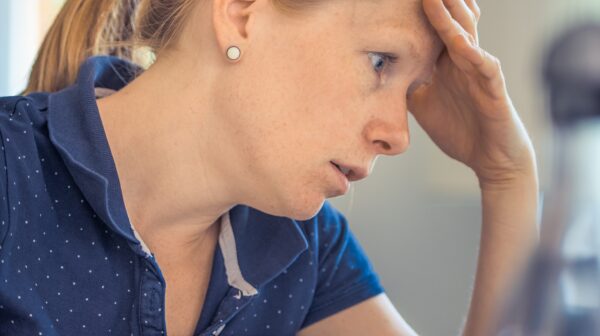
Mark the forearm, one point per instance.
(509, 232)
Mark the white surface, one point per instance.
(20, 28)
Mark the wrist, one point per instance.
(515, 176)
(516, 181)
(514, 202)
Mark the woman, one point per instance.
(190, 197)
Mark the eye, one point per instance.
(380, 60)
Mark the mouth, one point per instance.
(344, 170)
(342, 178)
(352, 173)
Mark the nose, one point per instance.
(389, 134)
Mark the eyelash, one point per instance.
(387, 59)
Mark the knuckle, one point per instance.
(496, 61)
(472, 39)
(475, 10)
(477, 13)
(473, 17)
(446, 30)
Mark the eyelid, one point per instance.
(393, 58)
(389, 59)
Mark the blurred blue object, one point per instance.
(559, 292)
(572, 74)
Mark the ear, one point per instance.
(232, 20)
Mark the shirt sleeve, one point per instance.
(345, 274)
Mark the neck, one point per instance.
(174, 185)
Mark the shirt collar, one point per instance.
(256, 246)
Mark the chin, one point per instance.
(305, 215)
(305, 208)
(299, 207)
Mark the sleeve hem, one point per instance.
(353, 296)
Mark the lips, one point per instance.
(344, 170)
(352, 172)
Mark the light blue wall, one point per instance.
(19, 30)
(4, 43)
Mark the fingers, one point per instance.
(483, 64)
(450, 30)
(487, 65)
(447, 26)
(456, 23)
(474, 8)
(451, 18)
(463, 14)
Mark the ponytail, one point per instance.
(135, 30)
(81, 29)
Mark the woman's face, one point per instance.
(317, 89)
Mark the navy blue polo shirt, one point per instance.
(71, 263)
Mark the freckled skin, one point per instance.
(319, 99)
(262, 131)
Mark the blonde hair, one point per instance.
(135, 30)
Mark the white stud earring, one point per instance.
(233, 53)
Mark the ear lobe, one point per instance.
(231, 20)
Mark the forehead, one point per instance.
(400, 21)
(386, 12)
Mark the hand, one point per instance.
(466, 109)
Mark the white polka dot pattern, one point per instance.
(71, 264)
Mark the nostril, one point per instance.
(385, 145)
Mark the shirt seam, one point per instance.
(8, 224)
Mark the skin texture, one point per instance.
(262, 131)
(251, 132)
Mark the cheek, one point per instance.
(327, 100)
(288, 116)
(287, 107)
(304, 92)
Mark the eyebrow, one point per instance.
(413, 50)
(414, 54)
(401, 33)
